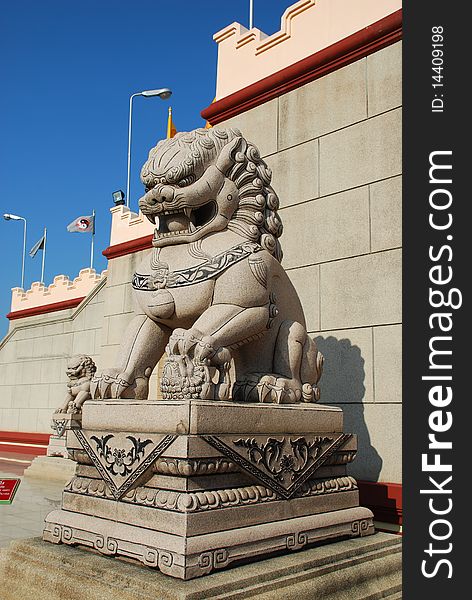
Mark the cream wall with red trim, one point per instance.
(62, 289)
(308, 26)
(33, 359)
(127, 225)
(34, 353)
(93, 311)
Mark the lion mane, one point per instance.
(87, 366)
(256, 217)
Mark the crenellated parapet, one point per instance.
(127, 225)
(307, 26)
(61, 290)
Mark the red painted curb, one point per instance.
(383, 499)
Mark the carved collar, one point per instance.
(162, 277)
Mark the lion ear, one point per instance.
(226, 157)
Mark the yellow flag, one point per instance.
(171, 129)
(208, 125)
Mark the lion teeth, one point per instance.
(188, 212)
(167, 234)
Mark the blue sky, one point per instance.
(67, 70)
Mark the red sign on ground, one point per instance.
(8, 489)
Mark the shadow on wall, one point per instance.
(342, 384)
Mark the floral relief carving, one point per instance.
(119, 460)
(282, 459)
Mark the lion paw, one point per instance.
(73, 408)
(279, 390)
(272, 388)
(192, 361)
(184, 341)
(111, 383)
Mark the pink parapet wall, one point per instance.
(64, 293)
(61, 290)
(127, 225)
(308, 26)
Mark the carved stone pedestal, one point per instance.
(193, 486)
(56, 465)
(60, 423)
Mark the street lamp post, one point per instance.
(163, 93)
(9, 217)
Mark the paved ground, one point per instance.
(34, 499)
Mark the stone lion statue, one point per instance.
(212, 292)
(80, 370)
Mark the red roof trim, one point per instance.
(142, 243)
(380, 34)
(45, 308)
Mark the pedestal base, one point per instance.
(57, 446)
(356, 569)
(189, 487)
(187, 557)
(52, 468)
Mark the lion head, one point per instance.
(79, 366)
(206, 181)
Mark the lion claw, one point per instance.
(109, 384)
(119, 386)
(93, 387)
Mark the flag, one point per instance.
(171, 129)
(208, 125)
(82, 225)
(38, 246)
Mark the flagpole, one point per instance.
(251, 14)
(93, 236)
(129, 146)
(169, 123)
(24, 254)
(44, 258)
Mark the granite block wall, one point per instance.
(334, 146)
(34, 353)
(33, 358)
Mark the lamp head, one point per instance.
(118, 197)
(163, 93)
(9, 217)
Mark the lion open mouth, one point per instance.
(186, 221)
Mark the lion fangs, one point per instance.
(191, 227)
(188, 212)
